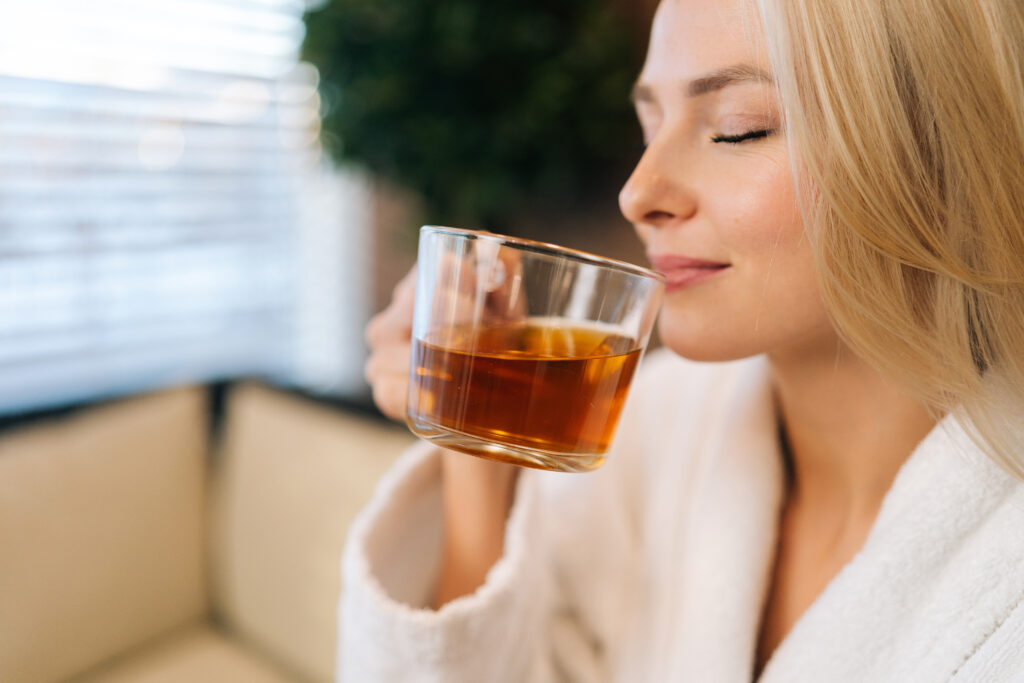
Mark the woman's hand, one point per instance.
(389, 336)
(477, 493)
(389, 333)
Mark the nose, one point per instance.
(656, 193)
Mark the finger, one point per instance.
(453, 274)
(508, 301)
(390, 394)
(394, 323)
(406, 286)
(376, 330)
(387, 360)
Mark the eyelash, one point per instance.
(735, 139)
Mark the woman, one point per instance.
(835, 192)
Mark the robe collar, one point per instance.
(941, 567)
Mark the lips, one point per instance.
(683, 271)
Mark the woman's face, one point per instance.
(713, 197)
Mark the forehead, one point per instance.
(692, 37)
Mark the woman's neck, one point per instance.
(847, 428)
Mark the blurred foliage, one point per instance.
(481, 107)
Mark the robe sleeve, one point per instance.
(387, 632)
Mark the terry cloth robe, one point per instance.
(656, 567)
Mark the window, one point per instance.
(165, 215)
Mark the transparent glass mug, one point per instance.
(523, 352)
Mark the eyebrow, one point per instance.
(716, 80)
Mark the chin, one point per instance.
(706, 343)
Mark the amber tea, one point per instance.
(553, 389)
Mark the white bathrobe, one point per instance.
(656, 567)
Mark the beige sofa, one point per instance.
(135, 548)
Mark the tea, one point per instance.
(548, 387)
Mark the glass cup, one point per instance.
(522, 351)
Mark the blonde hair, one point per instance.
(907, 121)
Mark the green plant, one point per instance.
(480, 106)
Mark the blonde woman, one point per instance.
(820, 478)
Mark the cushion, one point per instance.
(290, 477)
(199, 654)
(101, 533)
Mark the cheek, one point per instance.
(773, 254)
(763, 231)
(761, 217)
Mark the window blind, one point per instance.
(158, 162)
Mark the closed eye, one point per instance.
(749, 135)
